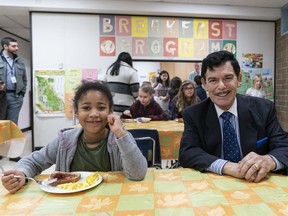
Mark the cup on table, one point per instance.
(139, 120)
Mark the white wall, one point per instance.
(143, 68)
(68, 41)
(259, 38)
(25, 53)
(72, 41)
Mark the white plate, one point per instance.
(129, 120)
(54, 189)
(145, 120)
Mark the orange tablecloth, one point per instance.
(170, 133)
(12, 140)
(164, 192)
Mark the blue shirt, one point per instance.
(10, 73)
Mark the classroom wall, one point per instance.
(281, 99)
(25, 53)
(67, 41)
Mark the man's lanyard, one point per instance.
(10, 66)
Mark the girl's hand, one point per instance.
(115, 125)
(11, 183)
(127, 113)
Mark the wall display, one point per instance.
(74, 42)
(54, 90)
(73, 77)
(49, 92)
(181, 38)
(266, 77)
(252, 66)
(252, 60)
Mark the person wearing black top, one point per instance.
(201, 93)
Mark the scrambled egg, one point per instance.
(88, 181)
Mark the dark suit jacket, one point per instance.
(201, 141)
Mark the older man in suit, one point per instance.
(248, 144)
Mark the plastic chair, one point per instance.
(148, 142)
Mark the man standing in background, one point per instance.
(13, 73)
(197, 71)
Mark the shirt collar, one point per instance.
(233, 109)
(6, 56)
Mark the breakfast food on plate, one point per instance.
(64, 177)
(88, 181)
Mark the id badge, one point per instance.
(13, 79)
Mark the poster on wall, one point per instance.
(250, 75)
(49, 92)
(252, 60)
(165, 37)
(55, 90)
(90, 74)
(256, 80)
(74, 77)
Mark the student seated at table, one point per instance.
(162, 86)
(145, 106)
(201, 93)
(229, 133)
(101, 144)
(166, 101)
(186, 97)
(175, 84)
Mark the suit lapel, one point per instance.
(213, 133)
(248, 134)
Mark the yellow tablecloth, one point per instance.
(162, 192)
(170, 133)
(12, 140)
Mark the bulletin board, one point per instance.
(68, 47)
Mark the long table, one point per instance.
(170, 133)
(162, 192)
(12, 140)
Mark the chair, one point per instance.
(148, 142)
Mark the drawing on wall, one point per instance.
(266, 77)
(107, 46)
(252, 60)
(55, 90)
(49, 92)
(90, 75)
(73, 78)
(169, 37)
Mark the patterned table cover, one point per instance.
(12, 140)
(162, 192)
(170, 133)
